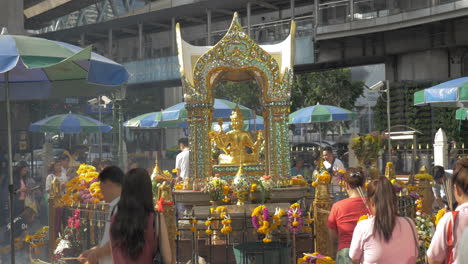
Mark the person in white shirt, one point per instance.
(333, 165)
(55, 172)
(182, 160)
(111, 179)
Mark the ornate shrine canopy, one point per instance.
(236, 57)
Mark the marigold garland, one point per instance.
(308, 223)
(439, 215)
(261, 221)
(363, 217)
(295, 218)
(424, 176)
(84, 188)
(315, 258)
(208, 230)
(38, 239)
(227, 228)
(324, 177)
(193, 224)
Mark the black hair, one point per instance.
(355, 177)
(51, 168)
(135, 205)
(439, 172)
(184, 141)
(113, 174)
(21, 165)
(328, 149)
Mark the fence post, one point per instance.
(321, 207)
(440, 149)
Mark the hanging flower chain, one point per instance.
(227, 228)
(315, 258)
(295, 218)
(193, 224)
(308, 223)
(208, 230)
(260, 221)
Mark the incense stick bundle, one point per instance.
(361, 194)
(448, 189)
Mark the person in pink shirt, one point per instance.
(132, 235)
(345, 214)
(385, 237)
(452, 222)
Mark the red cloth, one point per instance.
(343, 218)
(146, 256)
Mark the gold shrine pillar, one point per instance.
(54, 196)
(277, 140)
(321, 206)
(237, 58)
(199, 120)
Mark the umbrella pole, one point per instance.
(320, 135)
(10, 165)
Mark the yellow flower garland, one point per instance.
(424, 176)
(363, 217)
(208, 230)
(439, 215)
(193, 224)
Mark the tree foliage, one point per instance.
(334, 87)
(245, 93)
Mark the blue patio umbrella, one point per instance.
(150, 120)
(321, 113)
(34, 68)
(69, 123)
(222, 109)
(453, 93)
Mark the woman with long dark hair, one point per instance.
(345, 214)
(385, 237)
(23, 184)
(445, 246)
(133, 238)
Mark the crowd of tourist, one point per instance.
(134, 232)
(385, 237)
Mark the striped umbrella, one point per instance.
(222, 109)
(40, 68)
(69, 123)
(321, 113)
(35, 68)
(251, 124)
(150, 120)
(462, 114)
(453, 93)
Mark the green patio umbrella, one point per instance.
(462, 114)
